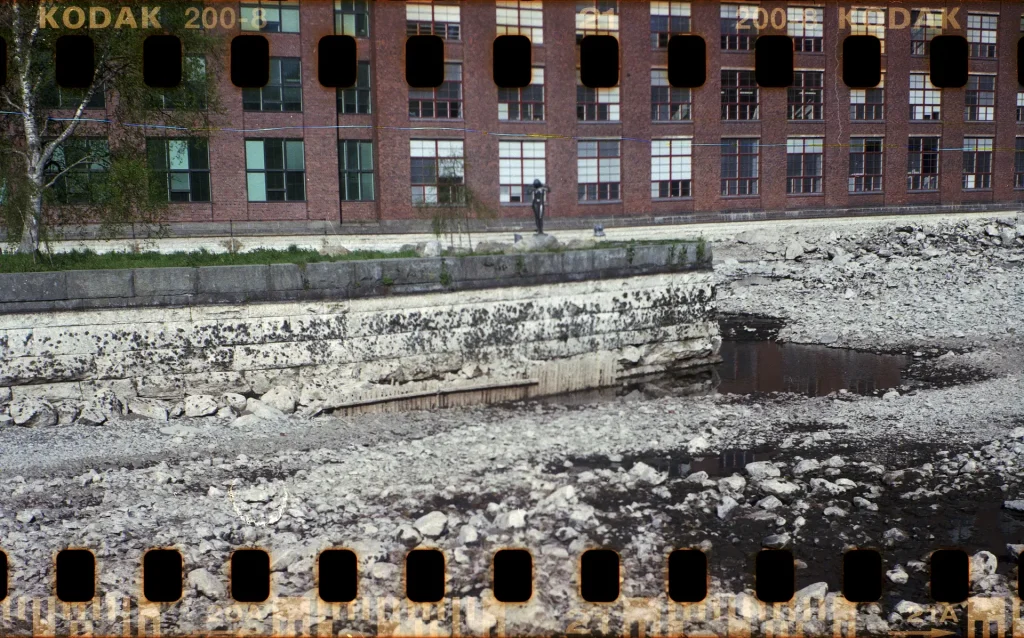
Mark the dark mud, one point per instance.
(972, 520)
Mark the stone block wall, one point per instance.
(523, 339)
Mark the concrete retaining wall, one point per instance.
(506, 341)
(90, 289)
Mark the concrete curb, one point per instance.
(147, 287)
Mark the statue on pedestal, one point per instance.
(540, 192)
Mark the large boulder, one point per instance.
(535, 242)
(491, 247)
(30, 413)
(200, 405)
(429, 249)
(794, 250)
(148, 408)
(280, 398)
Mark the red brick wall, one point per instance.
(385, 49)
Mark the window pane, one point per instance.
(254, 155)
(366, 156)
(295, 159)
(290, 21)
(179, 182)
(274, 151)
(177, 152)
(257, 184)
(366, 180)
(296, 184)
(198, 154)
(200, 187)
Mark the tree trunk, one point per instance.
(30, 222)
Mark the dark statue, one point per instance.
(540, 192)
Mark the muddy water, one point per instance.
(750, 367)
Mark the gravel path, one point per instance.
(904, 473)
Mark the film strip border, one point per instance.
(338, 60)
(599, 574)
(734, 615)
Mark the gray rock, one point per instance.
(263, 411)
(816, 590)
(697, 444)
(697, 477)
(148, 408)
(30, 413)
(760, 470)
(431, 248)
(727, 505)
(27, 516)
(983, 564)
(893, 536)
(67, 412)
(233, 400)
(200, 405)
(776, 541)
(91, 415)
(383, 571)
(491, 247)
(1016, 505)
(431, 525)
(897, 575)
(515, 519)
(107, 402)
(5, 395)
(280, 398)
(779, 487)
(207, 584)
(467, 535)
(644, 473)
(806, 465)
(769, 502)
(794, 250)
(408, 535)
(535, 242)
(732, 484)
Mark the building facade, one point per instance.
(297, 151)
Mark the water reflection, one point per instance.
(768, 366)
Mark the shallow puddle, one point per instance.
(750, 367)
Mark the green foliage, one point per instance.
(458, 205)
(630, 251)
(387, 281)
(446, 277)
(520, 265)
(701, 248)
(89, 260)
(118, 198)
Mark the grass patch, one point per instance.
(88, 260)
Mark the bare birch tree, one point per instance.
(41, 119)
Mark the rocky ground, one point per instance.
(905, 472)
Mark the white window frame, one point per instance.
(519, 163)
(521, 17)
(925, 98)
(672, 161)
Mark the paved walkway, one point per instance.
(392, 242)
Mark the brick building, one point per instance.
(369, 153)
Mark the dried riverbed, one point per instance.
(934, 459)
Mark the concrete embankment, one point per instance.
(350, 336)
